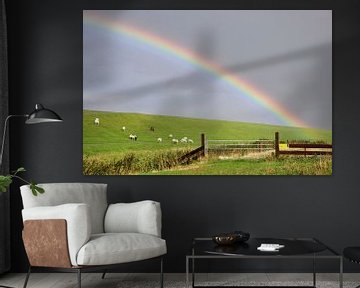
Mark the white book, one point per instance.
(270, 247)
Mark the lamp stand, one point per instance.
(4, 135)
(39, 115)
(2, 152)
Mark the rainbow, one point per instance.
(166, 46)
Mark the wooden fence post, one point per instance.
(277, 152)
(204, 144)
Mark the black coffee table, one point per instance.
(294, 248)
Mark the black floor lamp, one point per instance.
(39, 115)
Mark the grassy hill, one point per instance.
(108, 137)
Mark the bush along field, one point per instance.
(133, 144)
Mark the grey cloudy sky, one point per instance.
(285, 54)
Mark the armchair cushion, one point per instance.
(93, 194)
(78, 221)
(138, 217)
(113, 248)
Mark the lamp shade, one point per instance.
(42, 115)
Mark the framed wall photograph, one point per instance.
(207, 92)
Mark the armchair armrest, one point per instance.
(138, 217)
(77, 219)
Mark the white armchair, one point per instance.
(72, 228)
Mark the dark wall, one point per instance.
(45, 50)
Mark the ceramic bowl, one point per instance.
(225, 239)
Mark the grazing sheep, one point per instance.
(132, 137)
(183, 140)
(175, 141)
(170, 136)
(190, 141)
(97, 121)
(123, 128)
(159, 140)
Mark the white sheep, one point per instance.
(132, 137)
(183, 140)
(175, 141)
(123, 128)
(97, 121)
(170, 136)
(159, 140)
(190, 141)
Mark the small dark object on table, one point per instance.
(242, 236)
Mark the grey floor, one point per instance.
(120, 280)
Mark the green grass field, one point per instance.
(110, 145)
(285, 165)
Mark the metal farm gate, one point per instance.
(239, 146)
